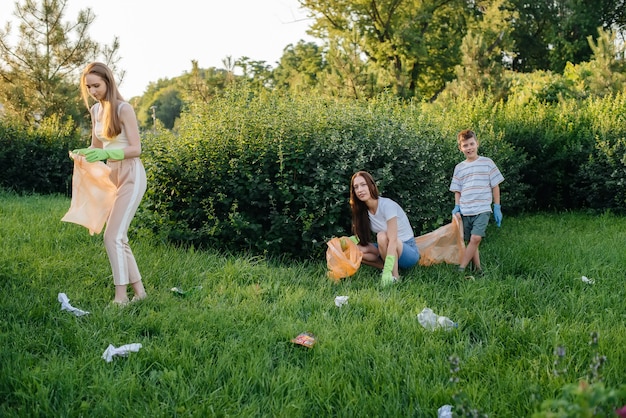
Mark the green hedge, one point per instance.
(574, 149)
(271, 174)
(36, 161)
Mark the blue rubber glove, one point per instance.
(497, 214)
(99, 154)
(387, 277)
(457, 209)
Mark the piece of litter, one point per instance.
(340, 301)
(65, 306)
(122, 351)
(181, 292)
(431, 321)
(305, 339)
(587, 280)
(444, 412)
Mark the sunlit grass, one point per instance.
(224, 349)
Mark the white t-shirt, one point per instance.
(388, 209)
(475, 180)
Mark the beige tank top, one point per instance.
(120, 141)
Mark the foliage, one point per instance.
(299, 67)
(225, 350)
(548, 35)
(246, 165)
(572, 147)
(412, 44)
(590, 397)
(487, 41)
(40, 73)
(270, 173)
(605, 73)
(414, 48)
(37, 160)
(603, 174)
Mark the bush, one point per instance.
(270, 174)
(566, 155)
(37, 161)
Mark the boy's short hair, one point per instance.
(464, 135)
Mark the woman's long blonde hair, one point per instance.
(111, 124)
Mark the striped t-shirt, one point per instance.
(475, 180)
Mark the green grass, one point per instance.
(225, 349)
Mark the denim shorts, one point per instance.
(410, 254)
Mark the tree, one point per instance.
(604, 74)
(549, 34)
(39, 75)
(485, 47)
(257, 73)
(413, 44)
(299, 67)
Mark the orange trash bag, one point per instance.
(343, 258)
(443, 245)
(93, 194)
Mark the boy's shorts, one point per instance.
(475, 225)
(410, 254)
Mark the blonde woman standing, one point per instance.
(115, 139)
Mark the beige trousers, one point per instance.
(129, 176)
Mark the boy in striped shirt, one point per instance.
(475, 184)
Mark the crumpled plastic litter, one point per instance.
(340, 301)
(65, 306)
(431, 321)
(585, 279)
(122, 351)
(444, 412)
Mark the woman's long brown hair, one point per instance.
(360, 218)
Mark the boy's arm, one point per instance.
(496, 194)
(457, 199)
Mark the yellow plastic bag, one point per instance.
(443, 245)
(343, 258)
(93, 194)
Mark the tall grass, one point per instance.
(225, 350)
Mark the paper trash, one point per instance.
(65, 306)
(122, 351)
(340, 301)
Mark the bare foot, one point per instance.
(137, 298)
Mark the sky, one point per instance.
(160, 39)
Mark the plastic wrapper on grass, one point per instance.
(305, 339)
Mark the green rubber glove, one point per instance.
(99, 154)
(80, 151)
(387, 277)
(354, 239)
